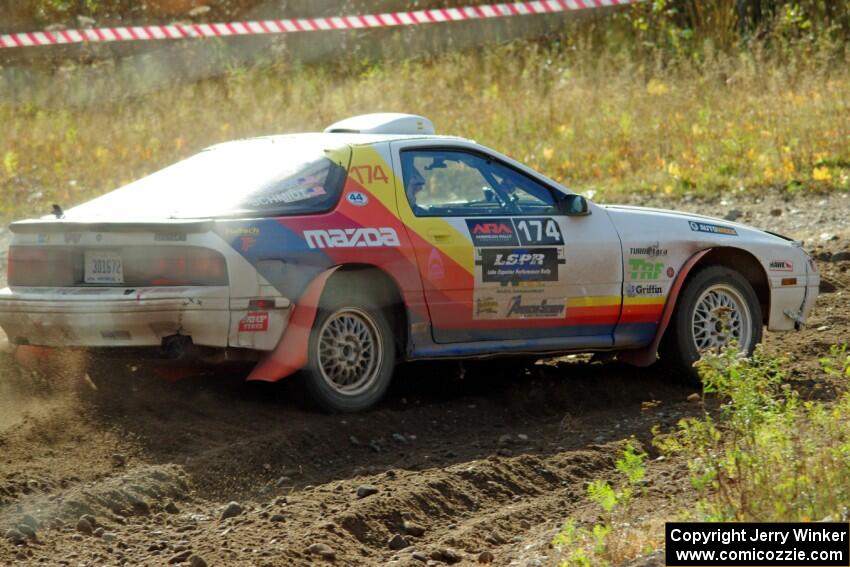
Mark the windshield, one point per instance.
(260, 177)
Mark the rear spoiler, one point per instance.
(63, 225)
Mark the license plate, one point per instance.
(104, 267)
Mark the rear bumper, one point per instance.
(141, 317)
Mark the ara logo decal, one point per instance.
(492, 232)
(357, 198)
(494, 228)
(644, 270)
(254, 321)
(351, 238)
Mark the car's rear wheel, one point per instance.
(352, 353)
(717, 307)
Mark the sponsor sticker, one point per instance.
(520, 307)
(73, 237)
(352, 238)
(170, 237)
(670, 272)
(640, 269)
(357, 198)
(521, 287)
(653, 251)
(289, 196)
(507, 265)
(644, 290)
(781, 266)
(492, 232)
(247, 242)
(697, 226)
(486, 306)
(234, 231)
(254, 321)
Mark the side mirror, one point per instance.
(573, 206)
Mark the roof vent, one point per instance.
(384, 123)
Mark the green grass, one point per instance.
(607, 121)
(767, 455)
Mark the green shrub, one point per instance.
(767, 454)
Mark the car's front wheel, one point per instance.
(717, 307)
(352, 353)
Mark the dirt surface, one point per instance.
(457, 461)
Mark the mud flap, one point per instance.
(646, 356)
(291, 354)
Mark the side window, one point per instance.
(441, 183)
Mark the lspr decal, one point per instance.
(511, 265)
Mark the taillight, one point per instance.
(173, 266)
(33, 266)
(44, 266)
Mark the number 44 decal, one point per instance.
(538, 231)
(369, 174)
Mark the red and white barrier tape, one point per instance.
(367, 21)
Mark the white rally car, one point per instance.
(342, 253)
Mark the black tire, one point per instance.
(342, 304)
(678, 349)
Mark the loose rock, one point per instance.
(118, 460)
(84, 526)
(180, 557)
(197, 561)
(365, 490)
(172, 508)
(733, 215)
(419, 556)
(233, 509)
(840, 257)
(694, 398)
(397, 543)
(15, 537)
(278, 518)
(27, 531)
(322, 550)
(31, 522)
(414, 529)
(446, 555)
(485, 557)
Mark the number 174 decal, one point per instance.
(538, 231)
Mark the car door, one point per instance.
(497, 259)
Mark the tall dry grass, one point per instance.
(607, 121)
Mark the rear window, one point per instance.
(262, 177)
